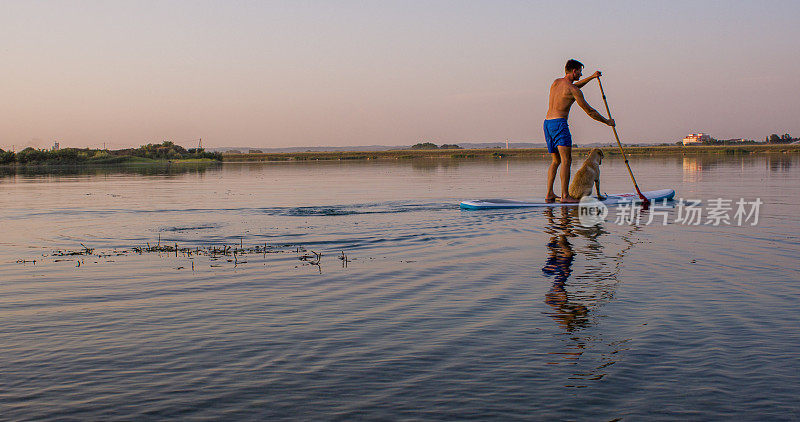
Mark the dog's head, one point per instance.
(596, 155)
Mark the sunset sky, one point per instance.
(336, 73)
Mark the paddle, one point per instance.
(645, 201)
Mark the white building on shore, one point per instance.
(696, 138)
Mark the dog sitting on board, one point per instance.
(588, 175)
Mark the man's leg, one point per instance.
(566, 160)
(551, 177)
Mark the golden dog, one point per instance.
(587, 175)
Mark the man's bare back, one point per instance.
(561, 99)
(563, 93)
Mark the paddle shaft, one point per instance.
(620, 144)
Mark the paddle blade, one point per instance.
(645, 201)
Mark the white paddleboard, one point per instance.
(482, 204)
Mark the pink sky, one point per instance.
(304, 73)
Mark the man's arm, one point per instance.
(585, 81)
(588, 109)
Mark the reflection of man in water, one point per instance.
(559, 264)
(560, 258)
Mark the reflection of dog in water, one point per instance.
(587, 176)
(559, 263)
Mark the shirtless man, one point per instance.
(563, 92)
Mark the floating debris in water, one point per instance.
(344, 260)
(221, 253)
(84, 251)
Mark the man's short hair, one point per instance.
(573, 64)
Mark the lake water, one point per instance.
(435, 313)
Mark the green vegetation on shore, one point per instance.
(150, 153)
(495, 153)
(783, 139)
(431, 145)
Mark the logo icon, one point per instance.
(591, 212)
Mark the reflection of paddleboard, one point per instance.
(482, 204)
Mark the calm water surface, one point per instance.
(436, 313)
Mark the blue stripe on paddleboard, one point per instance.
(482, 204)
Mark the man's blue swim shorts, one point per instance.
(556, 132)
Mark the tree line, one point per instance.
(165, 151)
(431, 145)
(770, 139)
(783, 139)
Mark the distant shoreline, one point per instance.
(408, 154)
(496, 153)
